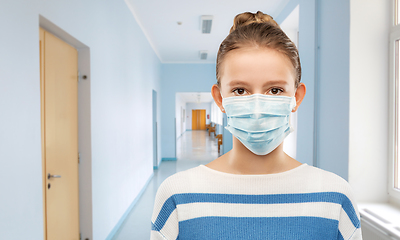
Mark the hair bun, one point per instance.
(247, 18)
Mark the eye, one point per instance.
(239, 91)
(275, 91)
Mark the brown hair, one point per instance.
(258, 30)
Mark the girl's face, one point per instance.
(252, 70)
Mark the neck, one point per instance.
(242, 161)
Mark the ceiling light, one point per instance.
(203, 55)
(206, 23)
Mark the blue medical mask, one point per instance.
(260, 122)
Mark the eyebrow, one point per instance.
(238, 82)
(276, 82)
(273, 82)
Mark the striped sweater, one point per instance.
(302, 203)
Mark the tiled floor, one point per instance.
(197, 145)
(193, 148)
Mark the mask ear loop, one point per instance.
(294, 102)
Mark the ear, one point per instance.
(216, 94)
(300, 93)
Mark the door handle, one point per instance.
(53, 176)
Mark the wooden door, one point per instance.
(199, 119)
(202, 119)
(59, 106)
(194, 119)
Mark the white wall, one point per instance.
(290, 142)
(194, 106)
(124, 70)
(369, 69)
(293, 35)
(180, 125)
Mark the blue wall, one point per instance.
(227, 137)
(323, 119)
(180, 78)
(333, 86)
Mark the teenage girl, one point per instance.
(256, 191)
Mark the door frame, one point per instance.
(84, 129)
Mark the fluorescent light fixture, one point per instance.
(206, 23)
(203, 55)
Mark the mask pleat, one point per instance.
(260, 122)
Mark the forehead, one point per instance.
(255, 64)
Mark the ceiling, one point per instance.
(195, 97)
(175, 43)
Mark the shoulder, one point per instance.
(177, 183)
(329, 187)
(183, 176)
(326, 181)
(180, 182)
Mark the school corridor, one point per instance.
(194, 148)
(100, 101)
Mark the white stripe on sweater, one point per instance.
(314, 209)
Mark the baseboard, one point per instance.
(122, 219)
(180, 135)
(168, 159)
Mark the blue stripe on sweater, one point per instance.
(184, 198)
(340, 236)
(282, 228)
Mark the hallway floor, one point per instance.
(193, 148)
(197, 145)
